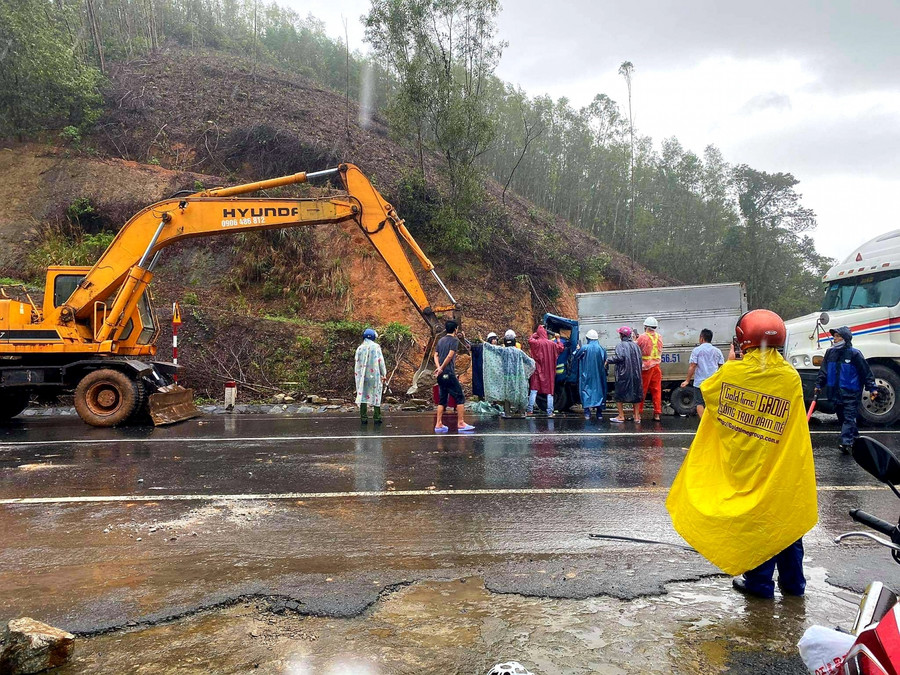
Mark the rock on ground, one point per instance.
(30, 646)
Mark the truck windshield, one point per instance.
(871, 290)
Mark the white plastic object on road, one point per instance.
(509, 668)
(823, 649)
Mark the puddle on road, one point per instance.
(460, 627)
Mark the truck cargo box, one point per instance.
(682, 312)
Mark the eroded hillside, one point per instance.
(280, 310)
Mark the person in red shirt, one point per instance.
(544, 351)
(651, 345)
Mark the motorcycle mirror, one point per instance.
(824, 318)
(877, 460)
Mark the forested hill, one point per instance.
(219, 87)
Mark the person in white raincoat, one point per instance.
(370, 374)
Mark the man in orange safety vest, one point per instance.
(651, 345)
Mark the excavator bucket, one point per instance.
(424, 376)
(172, 403)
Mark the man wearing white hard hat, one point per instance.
(506, 372)
(651, 345)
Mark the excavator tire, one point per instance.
(141, 414)
(11, 404)
(106, 397)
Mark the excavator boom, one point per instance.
(107, 314)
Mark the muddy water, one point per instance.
(459, 627)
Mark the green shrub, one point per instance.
(191, 298)
(395, 332)
(436, 224)
(58, 249)
(71, 135)
(82, 209)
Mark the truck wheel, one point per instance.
(886, 408)
(684, 401)
(106, 397)
(11, 404)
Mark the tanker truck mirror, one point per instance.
(824, 318)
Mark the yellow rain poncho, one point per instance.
(747, 487)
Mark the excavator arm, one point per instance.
(121, 275)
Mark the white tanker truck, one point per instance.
(863, 293)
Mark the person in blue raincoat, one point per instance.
(591, 360)
(843, 375)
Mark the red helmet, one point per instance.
(760, 327)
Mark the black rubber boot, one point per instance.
(377, 415)
(364, 413)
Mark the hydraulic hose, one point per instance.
(637, 540)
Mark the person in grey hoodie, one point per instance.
(843, 374)
(629, 386)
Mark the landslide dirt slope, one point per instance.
(180, 119)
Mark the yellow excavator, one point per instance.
(96, 331)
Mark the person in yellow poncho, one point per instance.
(746, 492)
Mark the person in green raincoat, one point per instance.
(370, 374)
(507, 370)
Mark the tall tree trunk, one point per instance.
(94, 25)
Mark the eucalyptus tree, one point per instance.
(442, 53)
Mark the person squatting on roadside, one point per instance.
(705, 360)
(370, 372)
(591, 360)
(746, 492)
(445, 372)
(843, 374)
(507, 370)
(544, 351)
(629, 383)
(651, 345)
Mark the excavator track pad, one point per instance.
(172, 403)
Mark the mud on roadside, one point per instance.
(457, 626)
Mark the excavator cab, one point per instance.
(61, 283)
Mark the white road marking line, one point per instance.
(277, 496)
(4, 445)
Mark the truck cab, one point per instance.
(566, 392)
(862, 293)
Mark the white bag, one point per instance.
(823, 649)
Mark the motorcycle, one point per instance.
(876, 647)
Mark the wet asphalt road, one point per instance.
(102, 528)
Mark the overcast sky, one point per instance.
(810, 87)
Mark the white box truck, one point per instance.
(682, 312)
(863, 293)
